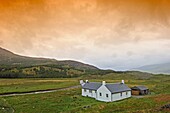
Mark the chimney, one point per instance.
(87, 81)
(103, 83)
(81, 81)
(123, 82)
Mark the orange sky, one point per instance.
(117, 34)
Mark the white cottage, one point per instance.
(105, 91)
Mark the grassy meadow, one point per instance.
(71, 101)
(26, 85)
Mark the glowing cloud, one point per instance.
(117, 34)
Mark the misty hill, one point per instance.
(156, 68)
(16, 66)
(9, 58)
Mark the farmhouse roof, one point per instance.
(113, 88)
(92, 85)
(140, 87)
(118, 87)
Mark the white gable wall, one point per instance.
(118, 96)
(88, 93)
(103, 90)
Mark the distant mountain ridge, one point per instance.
(9, 58)
(17, 66)
(155, 68)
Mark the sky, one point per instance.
(110, 34)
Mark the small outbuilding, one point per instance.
(140, 90)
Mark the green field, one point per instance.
(26, 85)
(72, 101)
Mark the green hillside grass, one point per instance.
(71, 101)
(8, 58)
(53, 71)
(65, 71)
(26, 85)
(47, 71)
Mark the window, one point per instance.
(107, 95)
(84, 90)
(126, 93)
(120, 94)
(100, 94)
(90, 91)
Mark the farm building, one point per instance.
(140, 90)
(105, 91)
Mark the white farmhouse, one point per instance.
(105, 91)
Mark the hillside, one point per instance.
(156, 68)
(9, 58)
(16, 66)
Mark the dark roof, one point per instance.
(91, 85)
(113, 88)
(118, 87)
(140, 87)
